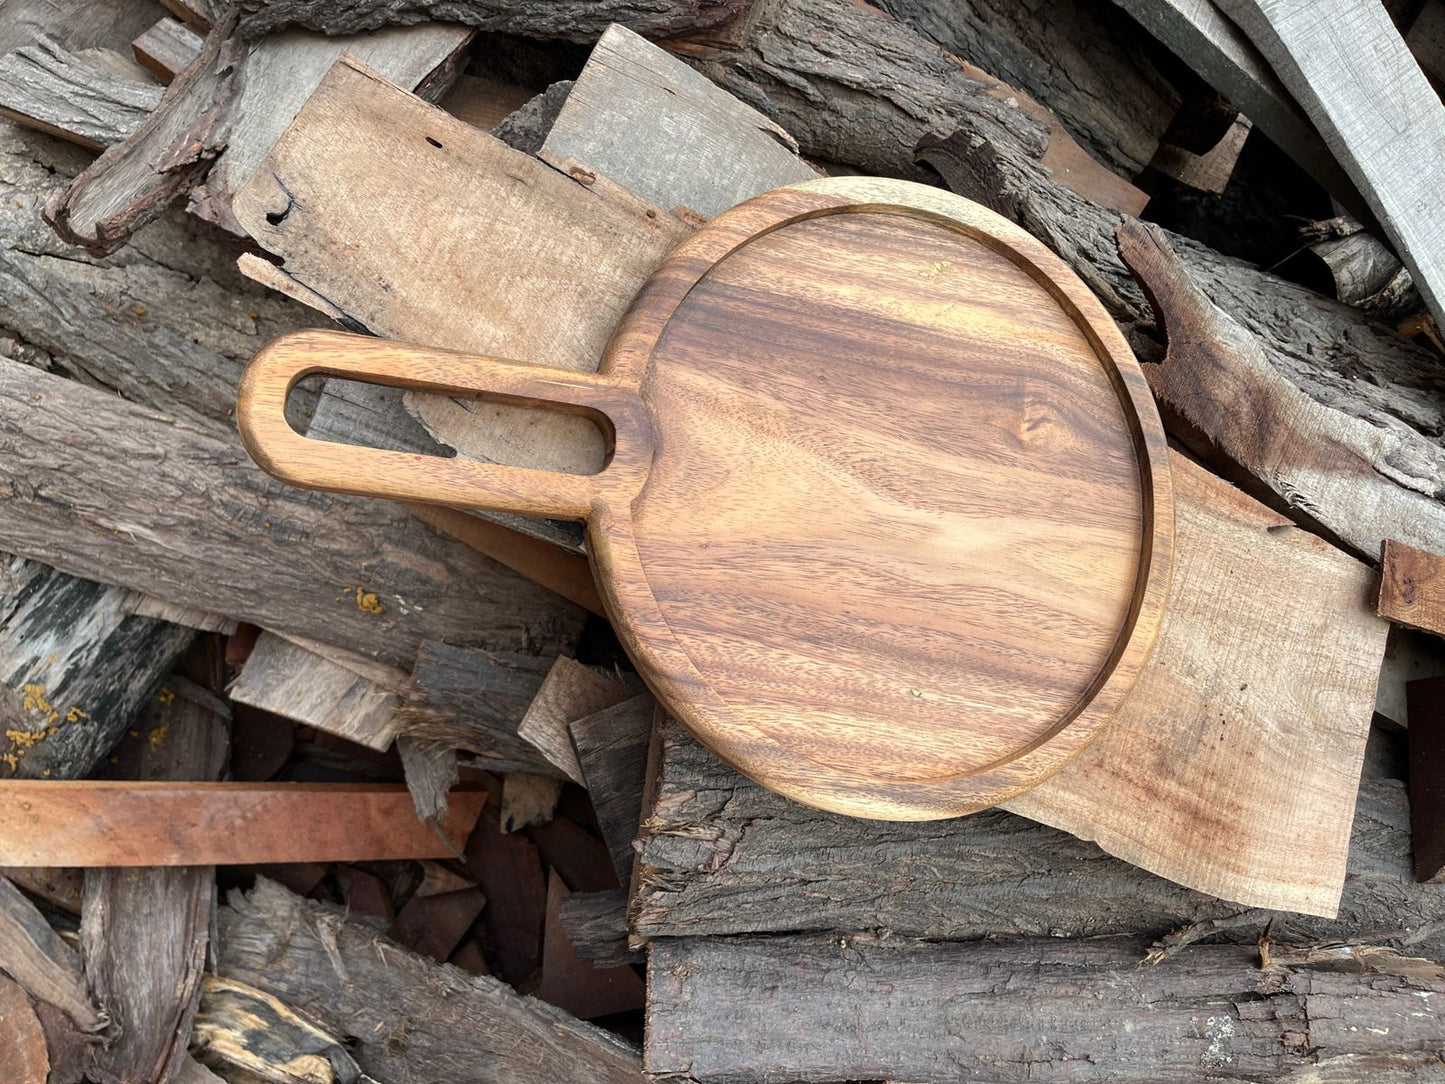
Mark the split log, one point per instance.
(78, 665)
(721, 855)
(568, 20)
(611, 747)
(1082, 59)
(107, 823)
(44, 87)
(508, 870)
(413, 1019)
(144, 932)
(83, 468)
(34, 955)
(1412, 587)
(166, 49)
(1347, 66)
(866, 1008)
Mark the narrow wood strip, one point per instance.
(97, 823)
(1412, 587)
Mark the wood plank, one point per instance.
(721, 855)
(22, 1041)
(863, 1007)
(288, 680)
(117, 823)
(45, 87)
(166, 48)
(569, 692)
(1347, 66)
(413, 1019)
(1246, 755)
(1412, 587)
(706, 150)
(222, 537)
(74, 24)
(509, 872)
(611, 747)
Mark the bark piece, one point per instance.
(569, 692)
(856, 1007)
(144, 932)
(44, 87)
(1246, 756)
(1427, 777)
(431, 771)
(611, 748)
(74, 24)
(413, 1019)
(596, 925)
(134, 182)
(722, 855)
(1082, 59)
(1361, 479)
(1207, 172)
(287, 679)
(1412, 587)
(33, 955)
(94, 823)
(82, 469)
(577, 985)
(703, 148)
(1347, 66)
(509, 873)
(569, 20)
(167, 48)
(78, 666)
(22, 1041)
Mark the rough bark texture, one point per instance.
(596, 925)
(45, 87)
(855, 87)
(1034, 1010)
(722, 855)
(76, 664)
(569, 20)
(97, 486)
(611, 748)
(1083, 59)
(414, 1021)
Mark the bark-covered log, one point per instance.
(1084, 59)
(722, 855)
(568, 20)
(42, 86)
(740, 1010)
(413, 1020)
(77, 664)
(101, 487)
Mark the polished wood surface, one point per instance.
(886, 519)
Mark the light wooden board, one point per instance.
(166, 48)
(705, 149)
(97, 823)
(1248, 727)
(1347, 66)
(1412, 587)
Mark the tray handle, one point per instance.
(462, 483)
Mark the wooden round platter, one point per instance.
(886, 520)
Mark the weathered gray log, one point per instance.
(596, 925)
(413, 1019)
(611, 747)
(74, 24)
(722, 855)
(815, 1008)
(1081, 58)
(76, 664)
(431, 771)
(144, 931)
(106, 488)
(42, 86)
(568, 20)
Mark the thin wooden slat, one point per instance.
(96, 823)
(1426, 699)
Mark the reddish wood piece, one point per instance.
(577, 985)
(1412, 587)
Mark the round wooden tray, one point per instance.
(886, 521)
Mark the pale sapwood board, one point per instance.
(45, 87)
(288, 680)
(179, 511)
(1248, 728)
(413, 1019)
(703, 149)
(1360, 479)
(745, 1010)
(126, 824)
(722, 855)
(1348, 67)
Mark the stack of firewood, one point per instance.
(408, 814)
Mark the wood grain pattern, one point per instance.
(100, 823)
(42, 86)
(1347, 66)
(1412, 587)
(873, 466)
